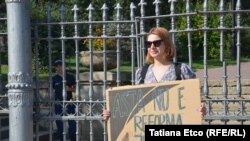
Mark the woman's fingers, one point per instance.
(106, 115)
(202, 109)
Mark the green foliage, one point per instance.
(197, 22)
(40, 14)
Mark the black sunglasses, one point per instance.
(156, 43)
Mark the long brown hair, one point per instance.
(165, 35)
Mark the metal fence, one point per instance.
(64, 39)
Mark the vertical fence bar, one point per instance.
(90, 15)
(238, 87)
(62, 12)
(138, 48)
(37, 107)
(222, 58)
(132, 29)
(189, 34)
(104, 18)
(142, 32)
(118, 50)
(225, 102)
(20, 85)
(172, 12)
(242, 111)
(205, 85)
(221, 9)
(232, 54)
(209, 109)
(225, 89)
(75, 10)
(157, 11)
(225, 92)
(50, 69)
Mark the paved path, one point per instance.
(218, 73)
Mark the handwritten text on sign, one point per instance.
(132, 107)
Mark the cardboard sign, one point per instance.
(133, 107)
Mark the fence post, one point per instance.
(20, 91)
(142, 49)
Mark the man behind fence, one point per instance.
(70, 108)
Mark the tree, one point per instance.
(197, 22)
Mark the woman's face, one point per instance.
(155, 45)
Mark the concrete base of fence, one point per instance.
(216, 87)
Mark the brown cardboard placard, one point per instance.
(132, 107)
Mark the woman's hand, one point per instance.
(202, 109)
(106, 115)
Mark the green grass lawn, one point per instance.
(125, 67)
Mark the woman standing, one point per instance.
(161, 68)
